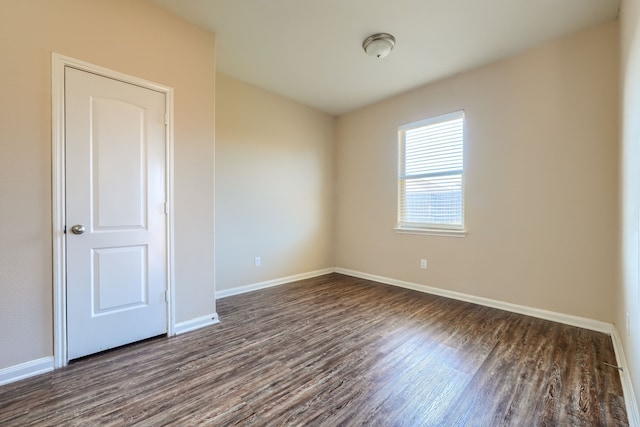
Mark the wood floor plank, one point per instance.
(338, 351)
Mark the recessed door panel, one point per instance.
(118, 157)
(120, 279)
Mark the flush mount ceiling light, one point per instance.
(379, 45)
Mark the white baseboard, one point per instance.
(270, 283)
(580, 322)
(26, 370)
(197, 323)
(633, 414)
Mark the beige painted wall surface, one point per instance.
(629, 294)
(274, 185)
(541, 180)
(132, 37)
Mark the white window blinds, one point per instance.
(431, 173)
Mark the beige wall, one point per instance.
(132, 37)
(541, 180)
(274, 185)
(629, 295)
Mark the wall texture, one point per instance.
(629, 294)
(274, 185)
(541, 180)
(132, 37)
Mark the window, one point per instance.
(431, 175)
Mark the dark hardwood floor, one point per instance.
(338, 351)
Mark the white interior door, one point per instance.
(115, 212)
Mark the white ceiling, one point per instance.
(311, 51)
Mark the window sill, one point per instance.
(432, 232)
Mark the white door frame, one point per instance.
(58, 64)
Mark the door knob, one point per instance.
(78, 229)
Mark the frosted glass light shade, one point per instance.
(379, 45)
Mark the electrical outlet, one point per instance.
(257, 262)
(423, 264)
(628, 329)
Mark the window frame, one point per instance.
(452, 230)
